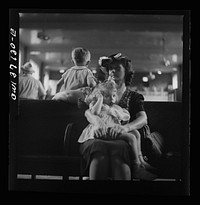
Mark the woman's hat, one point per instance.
(105, 62)
(28, 68)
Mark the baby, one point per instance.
(102, 103)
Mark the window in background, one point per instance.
(20, 61)
(46, 80)
(175, 81)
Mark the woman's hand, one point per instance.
(100, 132)
(116, 130)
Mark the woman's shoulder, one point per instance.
(134, 94)
(131, 98)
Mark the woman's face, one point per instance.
(117, 73)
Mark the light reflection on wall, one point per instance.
(46, 80)
(175, 81)
(52, 86)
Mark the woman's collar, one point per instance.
(121, 90)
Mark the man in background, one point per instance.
(29, 87)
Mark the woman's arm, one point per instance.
(139, 122)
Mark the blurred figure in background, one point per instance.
(29, 87)
(49, 96)
(76, 78)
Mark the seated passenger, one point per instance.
(29, 87)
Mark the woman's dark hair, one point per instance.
(113, 61)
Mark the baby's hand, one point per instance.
(98, 95)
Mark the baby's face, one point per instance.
(109, 97)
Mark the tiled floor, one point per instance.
(49, 177)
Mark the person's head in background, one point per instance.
(27, 68)
(81, 56)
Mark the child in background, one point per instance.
(77, 77)
(103, 112)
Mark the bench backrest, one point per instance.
(41, 124)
